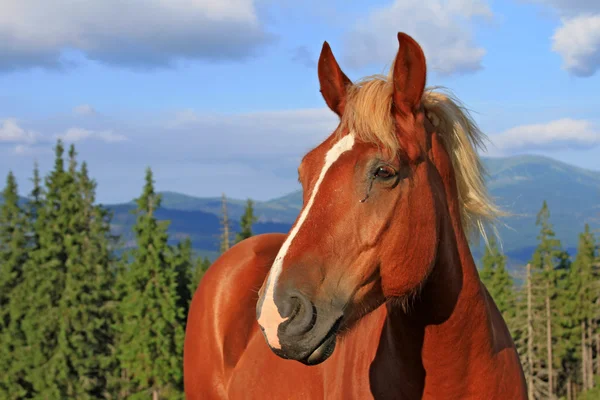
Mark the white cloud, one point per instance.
(559, 134)
(252, 154)
(79, 134)
(578, 43)
(84, 109)
(11, 132)
(577, 39)
(441, 28)
(137, 33)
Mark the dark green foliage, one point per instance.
(13, 256)
(496, 278)
(13, 252)
(15, 351)
(549, 266)
(201, 266)
(593, 394)
(45, 276)
(549, 255)
(246, 222)
(182, 260)
(64, 302)
(584, 277)
(86, 333)
(151, 342)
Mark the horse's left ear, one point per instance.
(333, 81)
(410, 74)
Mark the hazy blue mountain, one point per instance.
(519, 185)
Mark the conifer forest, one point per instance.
(84, 315)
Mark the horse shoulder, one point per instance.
(512, 379)
(222, 315)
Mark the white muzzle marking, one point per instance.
(270, 319)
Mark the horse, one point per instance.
(374, 293)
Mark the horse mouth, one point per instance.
(325, 348)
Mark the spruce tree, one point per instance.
(498, 281)
(19, 385)
(182, 259)
(246, 222)
(13, 256)
(582, 304)
(549, 264)
(85, 335)
(44, 284)
(13, 252)
(201, 266)
(151, 340)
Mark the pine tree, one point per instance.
(498, 281)
(583, 300)
(13, 256)
(85, 334)
(34, 204)
(201, 266)
(548, 265)
(44, 284)
(13, 239)
(246, 222)
(151, 340)
(530, 337)
(182, 259)
(19, 384)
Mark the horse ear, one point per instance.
(410, 73)
(332, 80)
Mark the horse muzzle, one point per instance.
(309, 332)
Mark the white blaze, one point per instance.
(270, 319)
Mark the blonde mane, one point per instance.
(367, 114)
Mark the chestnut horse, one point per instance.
(374, 293)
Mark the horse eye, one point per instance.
(385, 172)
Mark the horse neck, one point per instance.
(453, 311)
(443, 341)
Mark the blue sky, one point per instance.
(222, 95)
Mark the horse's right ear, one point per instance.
(332, 80)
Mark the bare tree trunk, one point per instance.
(584, 369)
(549, 343)
(597, 351)
(569, 388)
(155, 394)
(590, 354)
(530, 374)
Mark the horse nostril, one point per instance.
(290, 307)
(301, 315)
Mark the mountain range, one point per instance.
(519, 185)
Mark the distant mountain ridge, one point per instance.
(519, 185)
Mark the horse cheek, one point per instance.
(414, 251)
